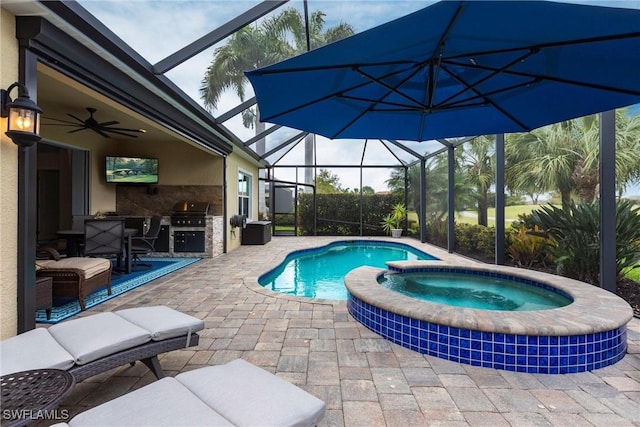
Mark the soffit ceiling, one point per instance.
(59, 96)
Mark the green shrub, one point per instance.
(475, 240)
(436, 231)
(527, 249)
(339, 214)
(575, 238)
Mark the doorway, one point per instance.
(62, 185)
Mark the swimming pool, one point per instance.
(319, 272)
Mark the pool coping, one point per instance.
(593, 309)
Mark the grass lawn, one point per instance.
(471, 217)
(634, 274)
(510, 213)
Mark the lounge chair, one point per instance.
(94, 344)
(234, 394)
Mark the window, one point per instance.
(244, 194)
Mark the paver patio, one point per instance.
(364, 379)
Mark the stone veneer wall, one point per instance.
(213, 238)
(159, 199)
(151, 200)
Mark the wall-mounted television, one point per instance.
(131, 170)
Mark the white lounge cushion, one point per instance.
(248, 395)
(92, 337)
(162, 322)
(90, 266)
(165, 402)
(34, 349)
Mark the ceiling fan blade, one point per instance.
(63, 121)
(126, 130)
(71, 125)
(105, 124)
(78, 130)
(120, 133)
(78, 119)
(100, 131)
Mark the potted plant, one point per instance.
(391, 222)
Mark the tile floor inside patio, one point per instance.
(364, 379)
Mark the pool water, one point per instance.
(473, 291)
(319, 273)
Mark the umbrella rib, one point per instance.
(555, 79)
(548, 45)
(484, 79)
(485, 97)
(267, 71)
(340, 92)
(396, 104)
(349, 123)
(440, 49)
(390, 88)
(395, 90)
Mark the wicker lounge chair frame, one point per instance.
(146, 353)
(71, 282)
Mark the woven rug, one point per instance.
(63, 308)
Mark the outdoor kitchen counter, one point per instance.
(181, 241)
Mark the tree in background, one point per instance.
(479, 163)
(564, 157)
(328, 183)
(277, 38)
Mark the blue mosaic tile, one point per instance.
(545, 354)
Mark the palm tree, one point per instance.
(479, 162)
(544, 158)
(586, 174)
(277, 38)
(565, 157)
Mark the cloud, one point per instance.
(158, 28)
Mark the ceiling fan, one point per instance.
(92, 124)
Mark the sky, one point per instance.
(158, 28)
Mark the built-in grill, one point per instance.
(189, 214)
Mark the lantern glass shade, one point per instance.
(23, 120)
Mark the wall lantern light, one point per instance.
(23, 126)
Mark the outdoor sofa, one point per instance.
(234, 394)
(93, 344)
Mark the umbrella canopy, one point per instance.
(460, 68)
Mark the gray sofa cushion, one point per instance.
(92, 337)
(162, 322)
(248, 395)
(34, 349)
(165, 402)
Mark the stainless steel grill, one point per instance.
(189, 214)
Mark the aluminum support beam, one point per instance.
(423, 200)
(261, 135)
(608, 201)
(451, 197)
(500, 200)
(235, 110)
(215, 36)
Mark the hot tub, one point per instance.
(589, 333)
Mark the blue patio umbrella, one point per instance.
(460, 68)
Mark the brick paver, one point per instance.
(364, 379)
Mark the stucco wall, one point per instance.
(236, 163)
(8, 187)
(178, 163)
